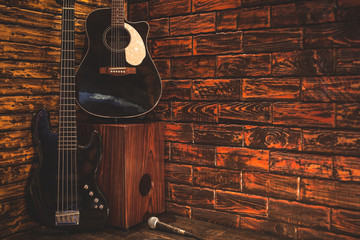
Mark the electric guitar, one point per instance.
(117, 77)
(62, 192)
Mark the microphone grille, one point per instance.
(152, 222)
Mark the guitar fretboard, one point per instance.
(67, 113)
(117, 13)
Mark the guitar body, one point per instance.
(111, 96)
(42, 190)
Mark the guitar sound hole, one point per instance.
(116, 38)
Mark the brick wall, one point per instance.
(261, 106)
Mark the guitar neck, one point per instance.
(117, 13)
(67, 115)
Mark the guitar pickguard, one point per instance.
(135, 52)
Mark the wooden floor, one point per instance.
(202, 230)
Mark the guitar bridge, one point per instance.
(63, 218)
(117, 71)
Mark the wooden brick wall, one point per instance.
(29, 79)
(261, 104)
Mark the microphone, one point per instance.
(155, 223)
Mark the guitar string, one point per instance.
(62, 108)
(60, 122)
(74, 112)
(66, 47)
(122, 43)
(69, 135)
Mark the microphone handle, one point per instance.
(167, 227)
(170, 228)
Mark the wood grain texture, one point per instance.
(194, 154)
(162, 111)
(122, 168)
(219, 43)
(309, 234)
(216, 89)
(29, 86)
(273, 40)
(307, 165)
(262, 2)
(217, 178)
(346, 221)
(15, 139)
(304, 114)
(138, 11)
(220, 134)
(345, 34)
(164, 8)
(272, 185)
(242, 159)
(192, 24)
(240, 203)
(299, 213)
(12, 191)
(244, 18)
(348, 10)
(178, 173)
(347, 115)
(245, 111)
(15, 173)
(204, 5)
(17, 69)
(327, 89)
(179, 132)
(24, 104)
(347, 61)
(12, 209)
(301, 13)
(163, 67)
(303, 63)
(166, 47)
(194, 67)
(271, 88)
(330, 193)
(341, 142)
(272, 137)
(20, 223)
(270, 227)
(177, 209)
(221, 218)
(29, 52)
(159, 27)
(16, 121)
(347, 168)
(205, 230)
(176, 89)
(243, 65)
(18, 156)
(193, 196)
(195, 111)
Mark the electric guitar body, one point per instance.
(62, 192)
(117, 78)
(52, 189)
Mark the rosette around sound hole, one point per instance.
(116, 38)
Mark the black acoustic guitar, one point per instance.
(117, 78)
(63, 192)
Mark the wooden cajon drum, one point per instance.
(131, 173)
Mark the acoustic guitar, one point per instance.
(117, 77)
(62, 192)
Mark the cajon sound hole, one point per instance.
(145, 185)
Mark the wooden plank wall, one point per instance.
(30, 55)
(261, 104)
